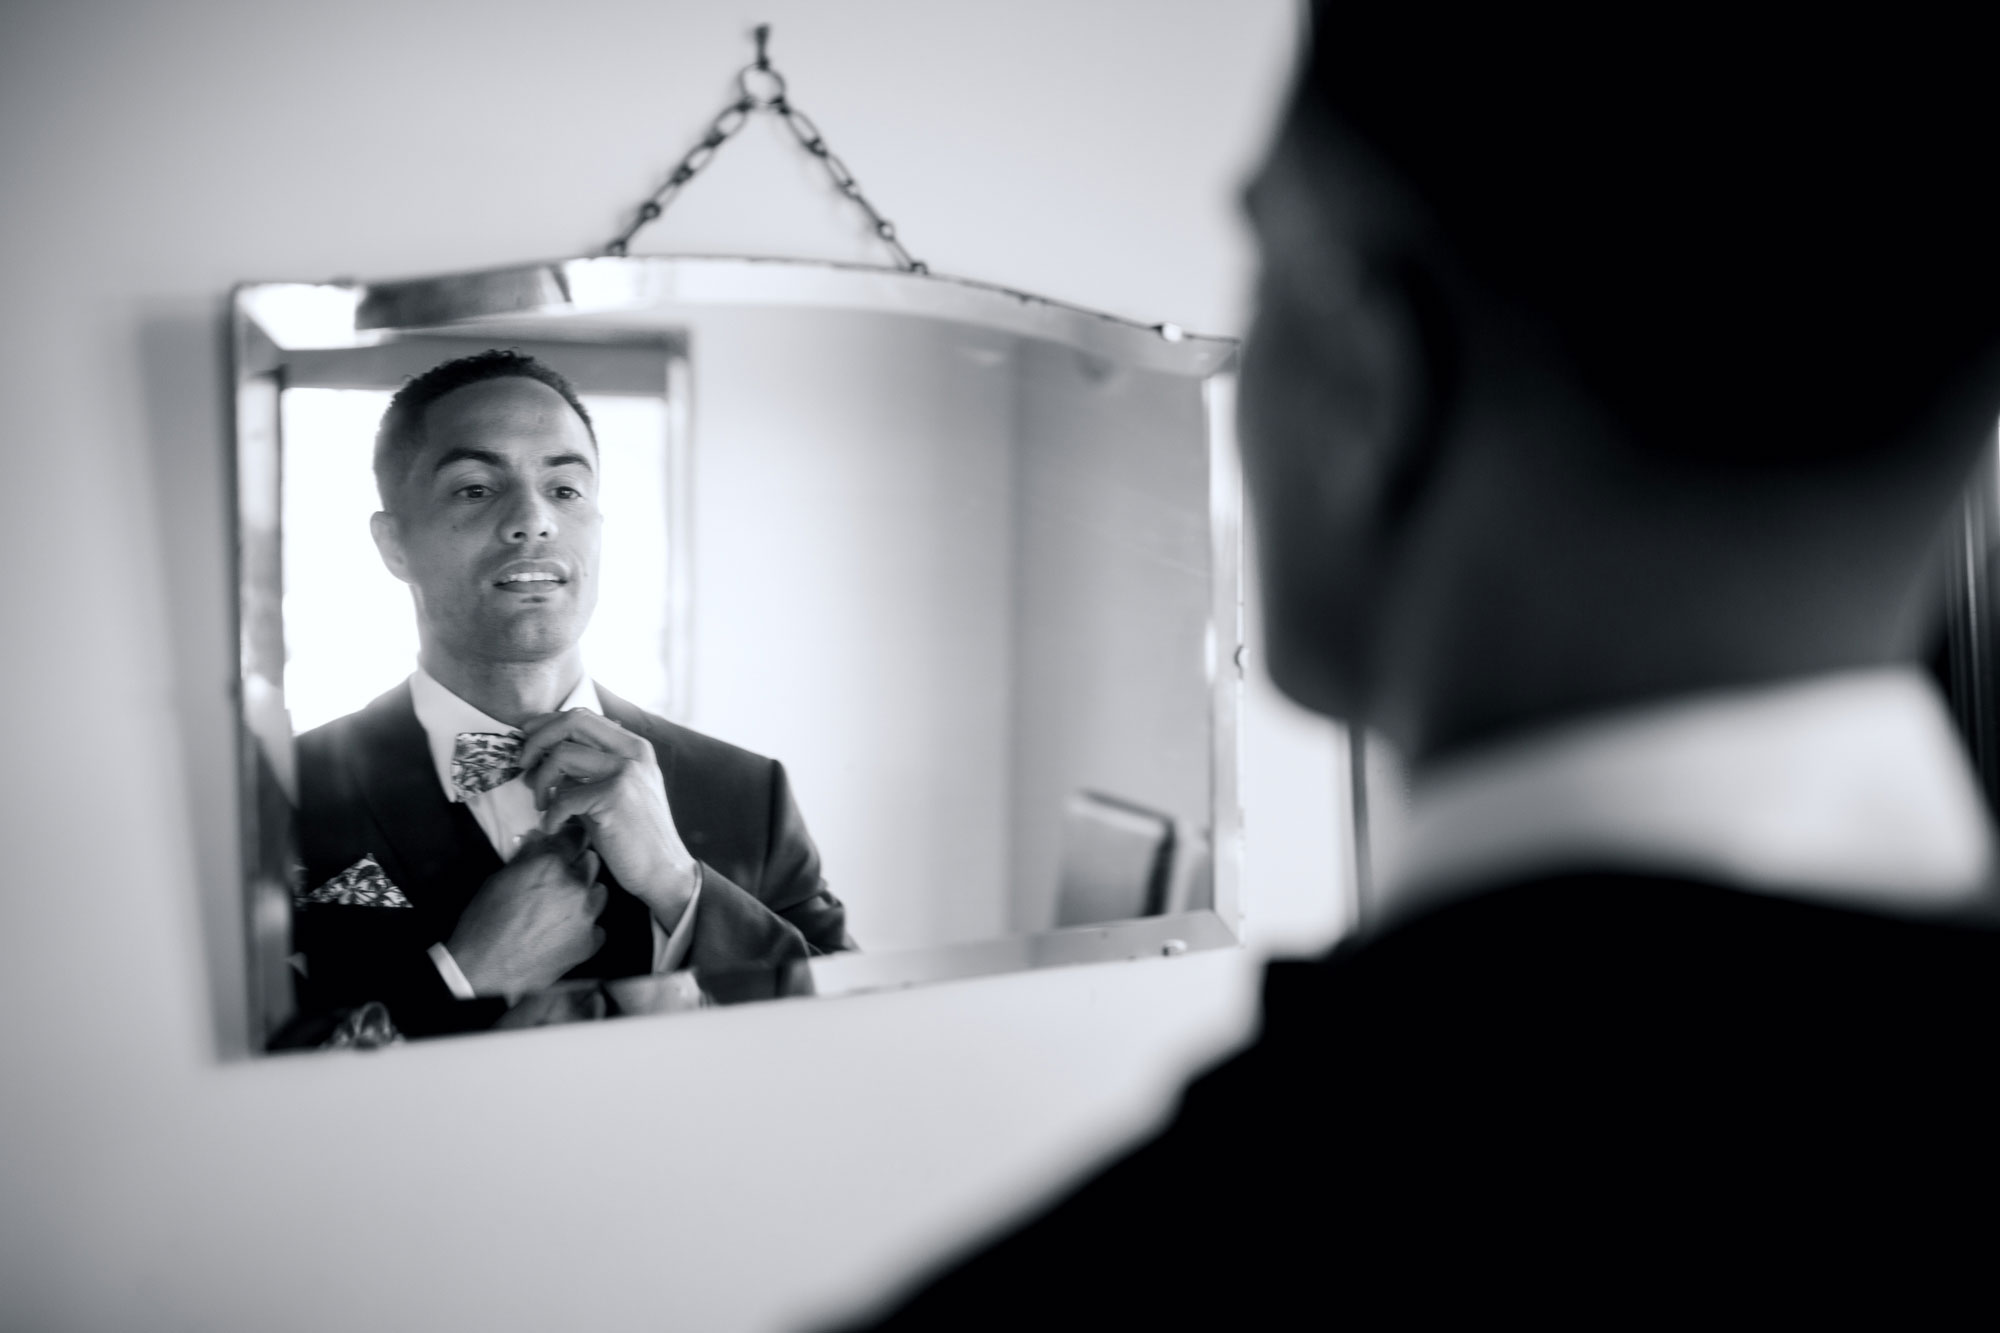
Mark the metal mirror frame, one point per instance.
(630, 299)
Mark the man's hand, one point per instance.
(571, 1003)
(586, 767)
(532, 921)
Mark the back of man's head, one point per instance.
(1757, 240)
(1758, 262)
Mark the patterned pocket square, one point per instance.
(360, 885)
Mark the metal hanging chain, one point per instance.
(763, 88)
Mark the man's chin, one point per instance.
(524, 640)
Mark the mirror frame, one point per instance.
(606, 299)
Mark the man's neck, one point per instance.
(509, 692)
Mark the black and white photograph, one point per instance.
(876, 665)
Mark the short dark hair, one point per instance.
(1759, 239)
(401, 433)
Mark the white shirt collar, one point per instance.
(1849, 788)
(443, 715)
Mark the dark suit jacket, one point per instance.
(1599, 1097)
(368, 787)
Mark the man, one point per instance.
(1606, 403)
(498, 823)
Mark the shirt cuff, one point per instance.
(669, 950)
(447, 967)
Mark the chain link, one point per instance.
(761, 88)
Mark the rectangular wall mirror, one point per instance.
(965, 563)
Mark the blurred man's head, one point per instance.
(487, 468)
(1595, 367)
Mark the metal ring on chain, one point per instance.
(762, 88)
(773, 82)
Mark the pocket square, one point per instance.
(360, 885)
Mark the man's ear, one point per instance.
(389, 541)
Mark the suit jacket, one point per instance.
(1592, 1098)
(368, 788)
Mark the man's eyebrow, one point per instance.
(463, 452)
(472, 453)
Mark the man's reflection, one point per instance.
(499, 822)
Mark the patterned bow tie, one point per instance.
(482, 760)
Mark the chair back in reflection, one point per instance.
(1122, 860)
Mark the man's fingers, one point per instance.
(566, 844)
(582, 727)
(568, 841)
(577, 801)
(568, 762)
(571, 843)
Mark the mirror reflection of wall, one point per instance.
(1114, 643)
(949, 578)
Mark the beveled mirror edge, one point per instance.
(850, 975)
(267, 789)
(269, 319)
(297, 315)
(1226, 660)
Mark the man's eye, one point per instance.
(476, 491)
(568, 493)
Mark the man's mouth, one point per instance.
(529, 580)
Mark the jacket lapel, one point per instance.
(628, 930)
(633, 720)
(442, 857)
(440, 848)
(687, 806)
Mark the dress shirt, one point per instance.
(507, 813)
(1851, 789)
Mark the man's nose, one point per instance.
(532, 517)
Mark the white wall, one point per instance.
(731, 1170)
(854, 528)
(1114, 593)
